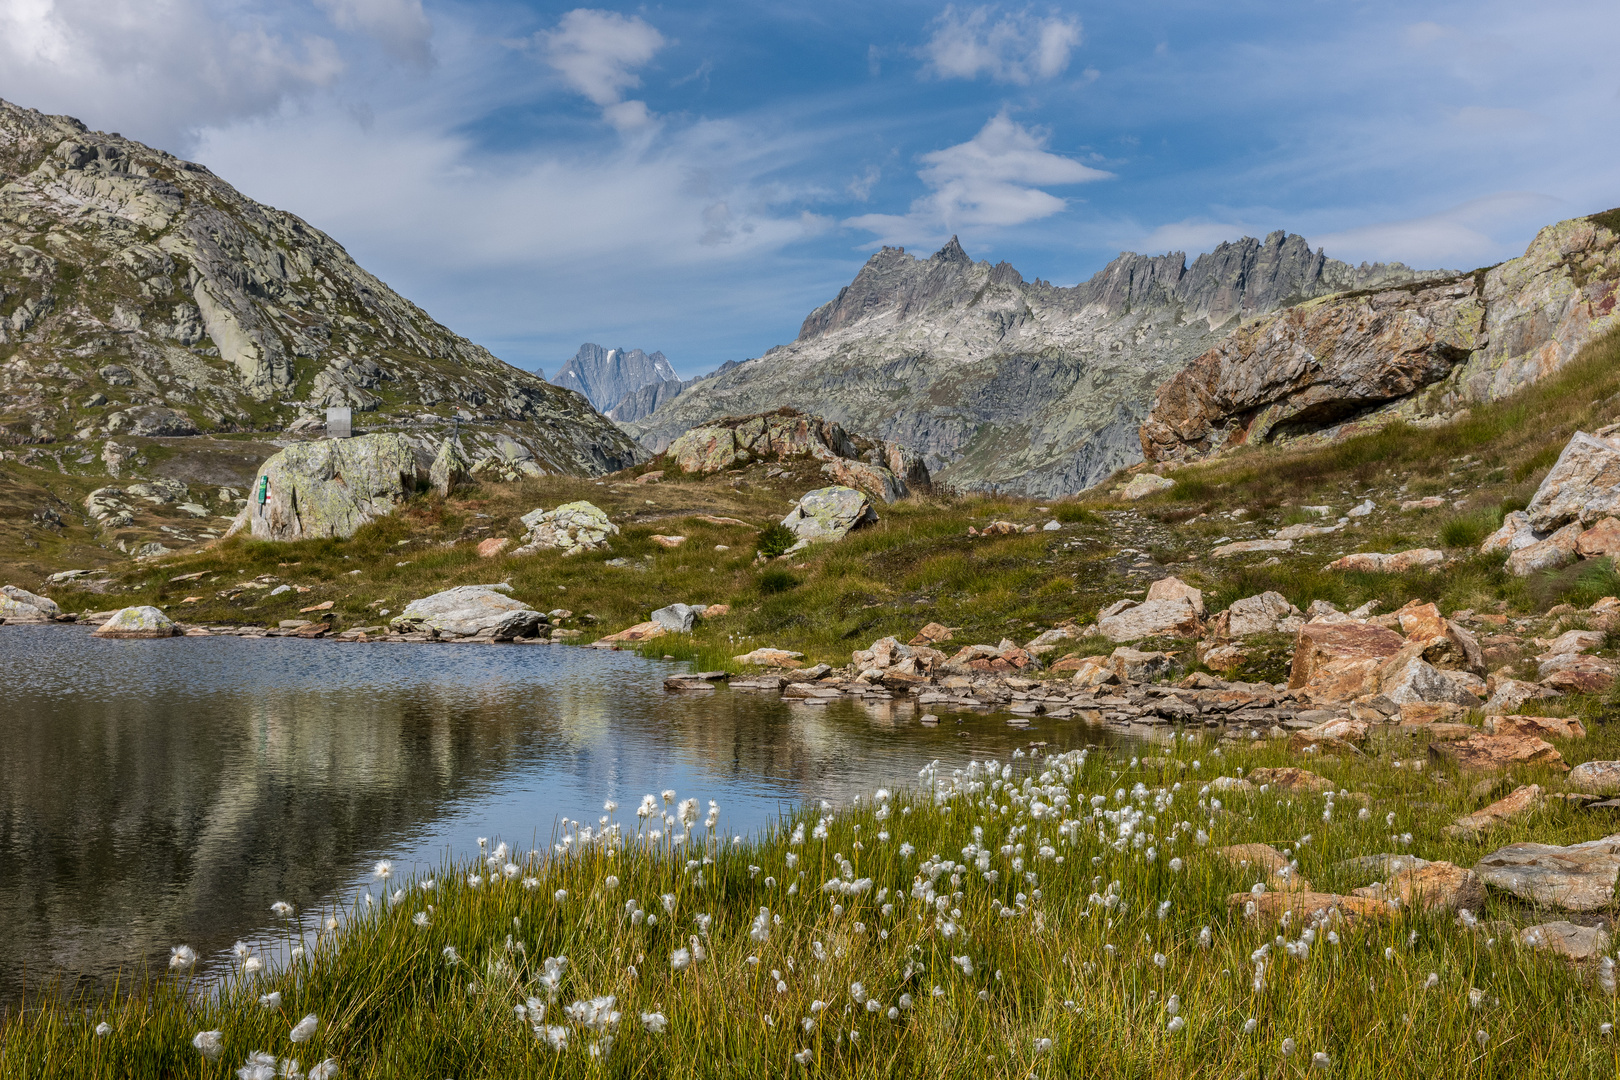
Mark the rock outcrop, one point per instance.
(604, 376)
(1002, 383)
(882, 468)
(1418, 352)
(571, 528)
(145, 296)
(328, 488)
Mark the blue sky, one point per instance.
(696, 177)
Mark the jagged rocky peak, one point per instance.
(605, 376)
(146, 296)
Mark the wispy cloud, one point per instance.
(1014, 47)
(400, 26)
(1462, 236)
(996, 179)
(597, 52)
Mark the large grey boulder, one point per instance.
(571, 528)
(1557, 550)
(677, 618)
(1601, 777)
(138, 622)
(1127, 620)
(328, 488)
(1577, 943)
(20, 605)
(1582, 486)
(1262, 614)
(1576, 878)
(470, 611)
(449, 467)
(829, 513)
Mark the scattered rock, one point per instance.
(1275, 869)
(1398, 563)
(1245, 547)
(20, 605)
(469, 611)
(1130, 621)
(1557, 550)
(1600, 541)
(1225, 657)
(1577, 674)
(488, 549)
(678, 618)
(1580, 877)
(1598, 777)
(1542, 727)
(667, 541)
(1290, 779)
(1489, 753)
(572, 528)
(644, 631)
(1333, 735)
(1263, 614)
(138, 622)
(933, 634)
(1145, 484)
(1431, 502)
(449, 467)
(1521, 801)
(828, 513)
(1304, 532)
(1575, 943)
(1581, 487)
(1173, 588)
(652, 476)
(1303, 906)
(1407, 677)
(1514, 534)
(1133, 666)
(1336, 662)
(1052, 639)
(1093, 671)
(1509, 695)
(765, 657)
(1435, 886)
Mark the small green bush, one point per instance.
(1073, 513)
(775, 539)
(1468, 530)
(776, 580)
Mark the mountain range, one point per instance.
(1007, 384)
(605, 376)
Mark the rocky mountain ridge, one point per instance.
(1007, 384)
(605, 376)
(141, 295)
(1347, 363)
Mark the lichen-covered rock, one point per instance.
(1398, 563)
(1555, 551)
(767, 657)
(1145, 484)
(886, 470)
(1598, 777)
(470, 611)
(328, 488)
(1491, 753)
(1514, 534)
(1600, 541)
(1582, 486)
(138, 622)
(678, 618)
(876, 480)
(829, 513)
(1579, 877)
(1262, 614)
(449, 467)
(571, 528)
(1578, 944)
(1169, 588)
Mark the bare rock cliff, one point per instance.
(1002, 383)
(1417, 353)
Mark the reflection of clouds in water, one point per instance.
(159, 792)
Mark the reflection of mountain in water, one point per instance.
(159, 792)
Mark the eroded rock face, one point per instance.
(138, 622)
(328, 488)
(1582, 486)
(1341, 661)
(1409, 353)
(829, 513)
(470, 611)
(1555, 551)
(1580, 877)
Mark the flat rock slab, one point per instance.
(1290, 779)
(469, 611)
(1542, 727)
(1580, 877)
(1435, 886)
(1566, 939)
(766, 657)
(1521, 801)
(1489, 753)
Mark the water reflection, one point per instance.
(153, 792)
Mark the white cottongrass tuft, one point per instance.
(260, 1066)
(1250, 1026)
(680, 960)
(210, 1044)
(1288, 1048)
(384, 869)
(761, 929)
(421, 919)
(1482, 1037)
(803, 1056)
(182, 958)
(555, 1036)
(304, 1030)
(326, 1070)
(281, 908)
(654, 1022)
(272, 1000)
(103, 1029)
(1175, 1025)
(1321, 1061)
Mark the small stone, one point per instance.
(667, 541)
(1566, 939)
(766, 657)
(488, 549)
(1398, 563)
(1145, 484)
(1598, 777)
(1245, 547)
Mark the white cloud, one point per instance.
(1015, 47)
(399, 26)
(156, 69)
(1194, 235)
(596, 53)
(994, 180)
(1460, 237)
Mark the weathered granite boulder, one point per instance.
(1398, 563)
(875, 480)
(1492, 753)
(20, 605)
(886, 470)
(1408, 678)
(1583, 486)
(1434, 886)
(1145, 484)
(1580, 877)
(828, 513)
(1514, 534)
(1336, 662)
(1522, 800)
(1600, 541)
(470, 611)
(1171, 588)
(1579, 944)
(328, 488)
(571, 528)
(449, 467)
(767, 657)
(1542, 727)
(1577, 674)
(138, 622)
(1132, 665)
(1508, 695)
(678, 618)
(1598, 777)
(1127, 620)
(1330, 736)
(1557, 550)
(1263, 614)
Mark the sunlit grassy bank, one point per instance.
(1059, 917)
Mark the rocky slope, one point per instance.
(604, 376)
(1347, 363)
(141, 295)
(1008, 384)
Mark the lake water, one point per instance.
(159, 792)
